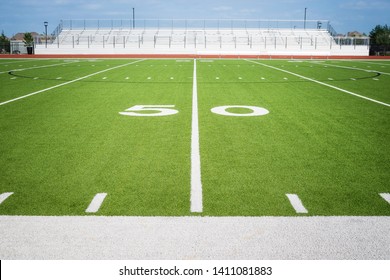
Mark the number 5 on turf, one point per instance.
(150, 111)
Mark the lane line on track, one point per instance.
(69, 82)
(321, 83)
(196, 183)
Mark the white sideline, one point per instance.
(96, 202)
(321, 83)
(189, 238)
(69, 82)
(196, 183)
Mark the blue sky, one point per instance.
(344, 15)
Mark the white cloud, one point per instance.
(248, 11)
(222, 9)
(62, 2)
(92, 6)
(365, 5)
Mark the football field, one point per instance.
(186, 137)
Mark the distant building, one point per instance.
(17, 44)
(356, 34)
(19, 36)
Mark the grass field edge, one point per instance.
(193, 56)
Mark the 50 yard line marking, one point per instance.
(69, 82)
(196, 183)
(321, 83)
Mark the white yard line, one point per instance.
(297, 204)
(192, 238)
(351, 68)
(321, 83)
(20, 60)
(4, 196)
(96, 202)
(385, 196)
(69, 82)
(36, 67)
(196, 183)
(367, 62)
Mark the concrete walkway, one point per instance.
(187, 238)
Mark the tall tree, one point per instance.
(28, 39)
(4, 43)
(380, 39)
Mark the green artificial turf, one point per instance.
(62, 146)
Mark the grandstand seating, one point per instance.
(222, 41)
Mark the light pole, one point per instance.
(304, 20)
(46, 24)
(133, 18)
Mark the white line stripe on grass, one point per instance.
(96, 203)
(36, 67)
(352, 68)
(385, 196)
(19, 60)
(321, 83)
(369, 62)
(196, 183)
(69, 82)
(297, 204)
(4, 196)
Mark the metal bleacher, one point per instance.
(237, 37)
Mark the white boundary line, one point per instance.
(366, 62)
(321, 83)
(69, 82)
(96, 202)
(20, 60)
(297, 204)
(351, 68)
(196, 183)
(4, 196)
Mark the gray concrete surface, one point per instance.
(187, 238)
